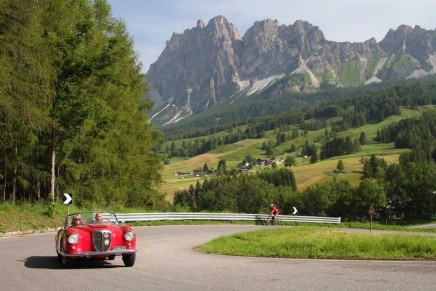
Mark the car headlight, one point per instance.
(129, 235)
(73, 239)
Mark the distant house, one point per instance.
(264, 162)
(198, 171)
(184, 173)
(243, 169)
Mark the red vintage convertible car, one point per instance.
(95, 235)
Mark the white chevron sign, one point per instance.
(68, 198)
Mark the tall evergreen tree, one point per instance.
(24, 76)
(362, 138)
(73, 105)
(340, 166)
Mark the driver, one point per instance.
(99, 217)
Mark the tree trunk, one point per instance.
(3, 176)
(53, 160)
(14, 175)
(4, 190)
(38, 191)
(4, 185)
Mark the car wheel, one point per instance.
(129, 260)
(61, 243)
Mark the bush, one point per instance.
(50, 205)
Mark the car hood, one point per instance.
(93, 227)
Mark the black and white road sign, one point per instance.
(68, 198)
(295, 210)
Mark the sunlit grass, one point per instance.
(322, 243)
(306, 174)
(27, 216)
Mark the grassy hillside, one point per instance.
(306, 174)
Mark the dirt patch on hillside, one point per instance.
(192, 163)
(303, 183)
(204, 158)
(249, 142)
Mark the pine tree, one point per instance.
(72, 105)
(290, 161)
(362, 138)
(340, 166)
(24, 76)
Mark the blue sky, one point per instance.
(152, 22)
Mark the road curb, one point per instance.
(27, 232)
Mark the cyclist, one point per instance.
(274, 211)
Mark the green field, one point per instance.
(322, 243)
(306, 174)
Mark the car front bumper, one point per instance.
(99, 254)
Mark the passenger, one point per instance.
(77, 220)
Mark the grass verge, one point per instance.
(323, 243)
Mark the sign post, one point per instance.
(371, 212)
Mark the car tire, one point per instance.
(67, 262)
(61, 243)
(129, 260)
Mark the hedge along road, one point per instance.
(166, 261)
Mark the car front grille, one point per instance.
(101, 240)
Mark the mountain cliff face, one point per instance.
(209, 63)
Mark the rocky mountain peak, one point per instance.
(416, 42)
(264, 25)
(222, 28)
(200, 24)
(194, 63)
(210, 63)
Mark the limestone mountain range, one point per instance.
(207, 64)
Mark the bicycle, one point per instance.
(270, 220)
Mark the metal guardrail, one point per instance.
(130, 217)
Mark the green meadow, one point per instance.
(306, 174)
(323, 243)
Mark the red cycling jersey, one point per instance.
(275, 210)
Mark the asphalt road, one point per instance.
(166, 261)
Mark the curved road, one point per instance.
(166, 261)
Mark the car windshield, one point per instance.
(90, 217)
